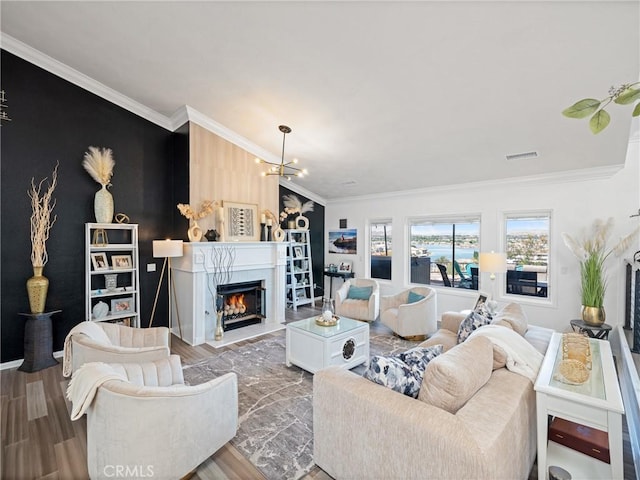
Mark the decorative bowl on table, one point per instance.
(327, 323)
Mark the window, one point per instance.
(445, 251)
(381, 249)
(527, 241)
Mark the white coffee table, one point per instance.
(313, 347)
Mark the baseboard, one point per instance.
(17, 363)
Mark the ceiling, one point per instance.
(381, 96)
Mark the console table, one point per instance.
(38, 342)
(597, 403)
(331, 275)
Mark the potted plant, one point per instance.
(592, 253)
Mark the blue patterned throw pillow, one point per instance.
(402, 372)
(473, 321)
(419, 357)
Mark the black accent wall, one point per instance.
(54, 120)
(316, 234)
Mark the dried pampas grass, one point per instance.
(99, 163)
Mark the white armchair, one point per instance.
(359, 309)
(110, 343)
(414, 320)
(149, 423)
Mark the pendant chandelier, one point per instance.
(283, 169)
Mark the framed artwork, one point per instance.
(344, 267)
(121, 305)
(297, 252)
(343, 241)
(99, 261)
(241, 222)
(482, 299)
(121, 262)
(343, 223)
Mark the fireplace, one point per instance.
(242, 303)
(194, 316)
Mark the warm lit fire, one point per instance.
(234, 304)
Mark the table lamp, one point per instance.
(492, 263)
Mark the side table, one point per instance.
(331, 275)
(38, 342)
(600, 332)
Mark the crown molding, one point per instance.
(582, 175)
(61, 70)
(294, 187)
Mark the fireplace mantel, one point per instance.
(264, 261)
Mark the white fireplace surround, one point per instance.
(263, 261)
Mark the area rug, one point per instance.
(275, 429)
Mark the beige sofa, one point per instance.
(366, 431)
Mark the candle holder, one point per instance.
(263, 232)
(269, 238)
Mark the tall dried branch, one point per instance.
(99, 163)
(42, 205)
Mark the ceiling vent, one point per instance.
(522, 156)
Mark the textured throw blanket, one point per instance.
(522, 357)
(85, 383)
(91, 330)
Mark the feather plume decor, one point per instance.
(592, 253)
(293, 205)
(99, 164)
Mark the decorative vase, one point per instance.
(194, 232)
(302, 222)
(278, 234)
(103, 205)
(593, 315)
(37, 287)
(219, 332)
(211, 235)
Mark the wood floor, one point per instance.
(39, 441)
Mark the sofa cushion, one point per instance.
(472, 322)
(402, 372)
(514, 315)
(359, 293)
(451, 379)
(414, 297)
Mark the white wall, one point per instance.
(575, 200)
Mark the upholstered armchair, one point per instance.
(409, 315)
(362, 302)
(143, 419)
(107, 342)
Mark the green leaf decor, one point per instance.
(589, 107)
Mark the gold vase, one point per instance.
(37, 287)
(593, 315)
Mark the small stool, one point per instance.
(600, 332)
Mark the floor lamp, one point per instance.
(166, 249)
(491, 262)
